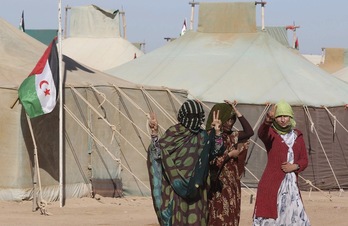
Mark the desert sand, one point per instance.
(322, 208)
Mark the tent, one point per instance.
(342, 74)
(105, 121)
(335, 59)
(227, 58)
(94, 38)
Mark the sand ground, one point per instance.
(137, 211)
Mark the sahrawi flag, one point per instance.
(39, 92)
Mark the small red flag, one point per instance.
(296, 44)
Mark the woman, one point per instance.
(178, 168)
(278, 200)
(225, 193)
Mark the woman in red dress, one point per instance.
(225, 193)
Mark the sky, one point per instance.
(322, 24)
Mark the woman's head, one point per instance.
(226, 115)
(284, 117)
(191, 115)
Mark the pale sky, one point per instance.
(322, 23)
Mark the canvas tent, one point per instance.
(227, 58)
(335, 59)
(105, 121)
(94, 38)
(342, 74)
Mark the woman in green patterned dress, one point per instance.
(178, 168)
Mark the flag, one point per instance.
(183, 30)
(296, 44)
(21, 23)
(38, 93)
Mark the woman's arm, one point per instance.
(247, 130)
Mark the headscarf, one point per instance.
(225, 113)
(283, 108)
(191, 115)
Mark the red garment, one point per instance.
(225, 199)
(266, 199)
(225, 193)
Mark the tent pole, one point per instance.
(262, 13)
(66, 20)
(34, 206)
(193, 3)
(37, 177)
(61, 176)
(123, 13)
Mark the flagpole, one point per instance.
(60, 104)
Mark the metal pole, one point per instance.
(193, 3)
(263, 16)
(262, 13)
(124, 24)
(66, 20)
(61, 176)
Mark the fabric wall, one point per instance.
(85, 22)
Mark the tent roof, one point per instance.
(250, 67)
(335, 59)
(95, 39)
(100, 53)
(16, 63)
(342, 74)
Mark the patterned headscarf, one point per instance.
(191, 115)
(225, 113)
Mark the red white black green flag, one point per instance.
(38, 93)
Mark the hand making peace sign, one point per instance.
(216, 123)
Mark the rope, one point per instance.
(335, 120)
(125, 116)
(134, 104)
(309, 117)
(173, 96)
(259, 120)
(113, 127)
(194, 97)
(101, 145)
(311, 184)
(172, 120)
(321, 145)
(257, 179)
(73, 116)
(253, 192)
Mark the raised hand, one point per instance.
(234, 104)
(153, 124)
(270, 114)
(216, 123)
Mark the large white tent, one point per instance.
(342, 74)
(227, 58)
(105, 122)
(94, 38)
